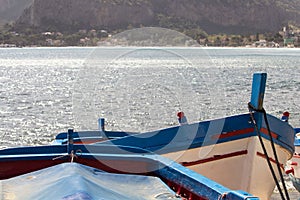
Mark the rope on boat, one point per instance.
(72, 155)
(251, 108)
(70, 148)
(276, 156)
(222, 196)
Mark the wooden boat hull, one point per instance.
(231, 155)
(240, 165)
(226, 150)
(182, 181)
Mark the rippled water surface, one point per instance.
(48, 90)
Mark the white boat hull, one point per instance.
(238, 165)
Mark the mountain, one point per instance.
(212, 16)
(11, 10)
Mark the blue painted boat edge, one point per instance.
(108, 134)
(284, 131)
(36, 152)
(297, 130)
(156, 140)
(297, 140)
(53, 149)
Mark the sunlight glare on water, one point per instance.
(47, 90)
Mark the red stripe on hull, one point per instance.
(214, 158)
(266, 132)
(233, 133)
(271, 159)
(91, 141)
(243, 131)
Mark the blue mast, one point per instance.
(258, 90)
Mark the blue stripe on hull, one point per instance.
(206, 133)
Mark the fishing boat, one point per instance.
(71, 172)
(242, 152)
(293, 165)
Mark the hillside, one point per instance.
(11, 10)
(212, 16)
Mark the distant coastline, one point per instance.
(11, 46)
(286, 37)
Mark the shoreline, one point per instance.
(118, 46)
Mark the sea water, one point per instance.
(45, 91)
